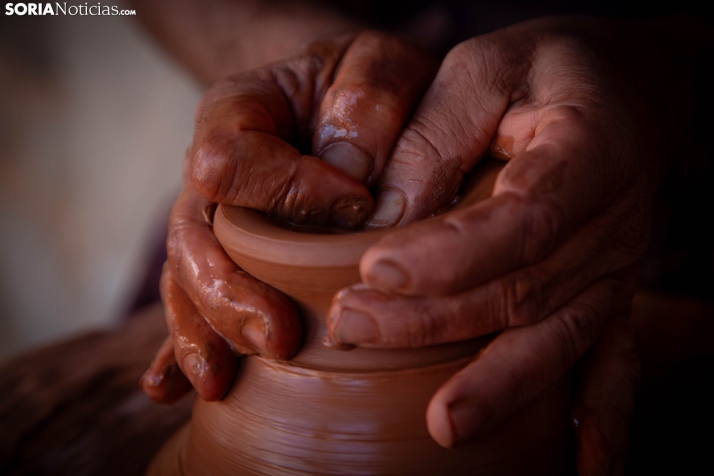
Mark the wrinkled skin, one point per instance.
(550, 259)
(244, 154)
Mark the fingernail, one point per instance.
(355, 327)
(329, 343)
(349, 158)
(151, 378)
(350, 212)
(208, 211)
(387, 275)
(389, 209)
(253, 331)
(193, 365)
(467, 417)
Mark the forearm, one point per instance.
(214, 38)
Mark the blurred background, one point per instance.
(94, 121)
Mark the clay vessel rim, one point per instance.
(356, 374)
(251, 233)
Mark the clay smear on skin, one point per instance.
(356, 412)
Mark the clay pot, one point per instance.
(331, 411)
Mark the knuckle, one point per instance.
(175, 252)
(541, 229)
(374, 40)
(520, 300)
(178, 242)
(281, 196)
(567, 114)
(314, 55)
(576, 330)
(277, 193)
(368, 95)
(506, 292)
(423, 329)
(217, 298)
(214, 166)
(459, 54)
(419, 157)
(291, 77)
(373, 37)
(290, 201)
(216, 92)
(174, 244)
(480, 61)
(294, 80)
(312, 70)
(419, 141)
(445, 131)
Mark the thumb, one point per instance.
(449, 133)
(242, 152)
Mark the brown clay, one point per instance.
(331, 411)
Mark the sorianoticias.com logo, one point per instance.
(61, 8)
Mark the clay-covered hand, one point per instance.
(214, 310)
(349, 98)
(550, 256)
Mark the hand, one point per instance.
(213, 310)
(552, 255)
(349, 98)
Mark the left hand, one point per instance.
(245, 153)
(551, 256)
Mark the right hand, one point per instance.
(349, 98)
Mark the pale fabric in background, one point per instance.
(94, 122)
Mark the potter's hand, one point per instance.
(213, 309)
(350, 98)
(550, 256)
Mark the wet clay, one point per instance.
(331, 411)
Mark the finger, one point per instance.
(605, 402)
(251, 316)
(433, 312)
(163, 381)
(204, 357)
(540, 197)
(542, 112)
(367, 317)
(241, 155)
(450, 132)
(370, 318)
(517, 367)
(380, 79)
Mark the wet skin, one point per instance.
(550, 259)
